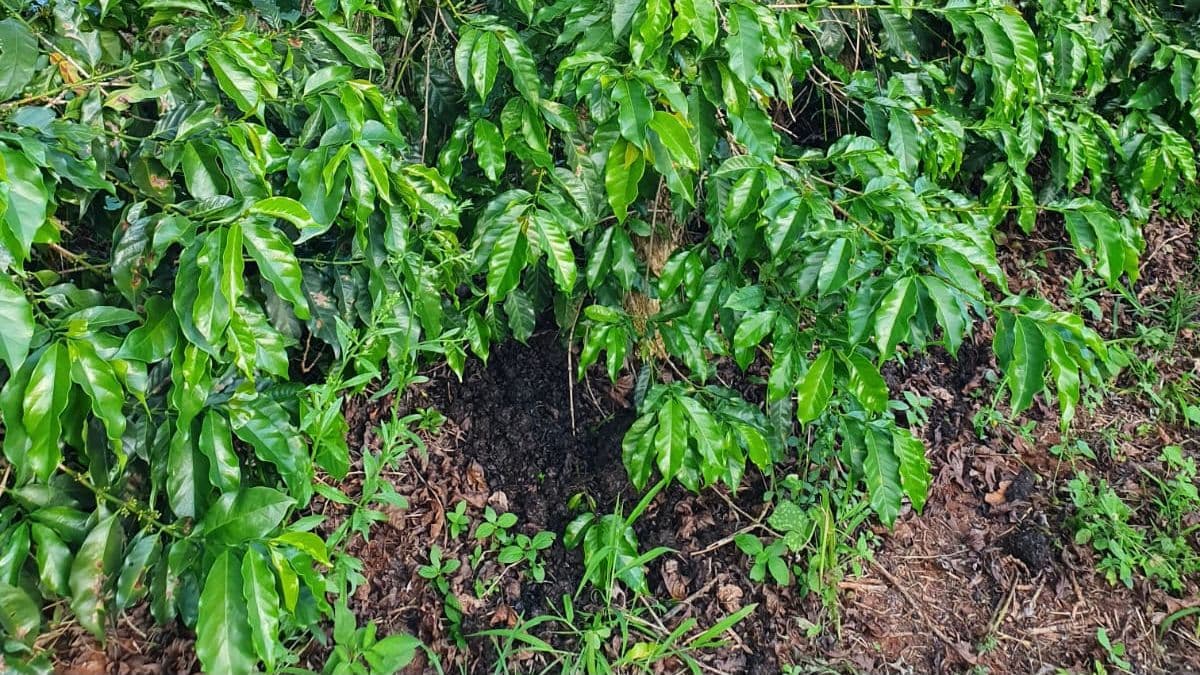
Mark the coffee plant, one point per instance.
(220, 217)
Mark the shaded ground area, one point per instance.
(988, 577)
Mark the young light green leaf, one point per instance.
(292, 211)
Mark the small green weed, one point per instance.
(1160, 549)
(644, 644)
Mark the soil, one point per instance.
(986, 578)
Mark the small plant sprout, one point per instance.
(766, 558)
(458, 520)
(495, 527)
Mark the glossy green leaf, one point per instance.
(238, 83)
(520, 62)
(18, 57)
(634, 109)
(507, 260)
(1024, 373)
(750, 332)
(223, 640)
(216, 442)
(356, 48)
(92, 572)
(881, 468)
(672, 131)
(553, 241)
(894, 314)
(20, 616)
(248, 515)
(53, 560)
(814, 390)
(670, 441)
(95, 376)
(950, 314)
(489, 149)
(835, 267)
(697, 17)
(484, 63)
(262, 604)
(744, 43)
(622, 172)
(134, 580)
(16, 315)
(273, 253)
(28, 202)
(867, 384)
(154, 340)
(45, 399)
(913, 466)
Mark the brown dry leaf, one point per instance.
(475, 477)
(676, 583)
(498, 501)
(999, 495)
(437, 520)
(469, 603)
(730, 597)
(504, 615)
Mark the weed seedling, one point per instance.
(528, 549)
(495, 527)
(1114, 651)
(438, 573)
(458, 520)
(766, 558)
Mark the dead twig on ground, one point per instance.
(956, 645)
